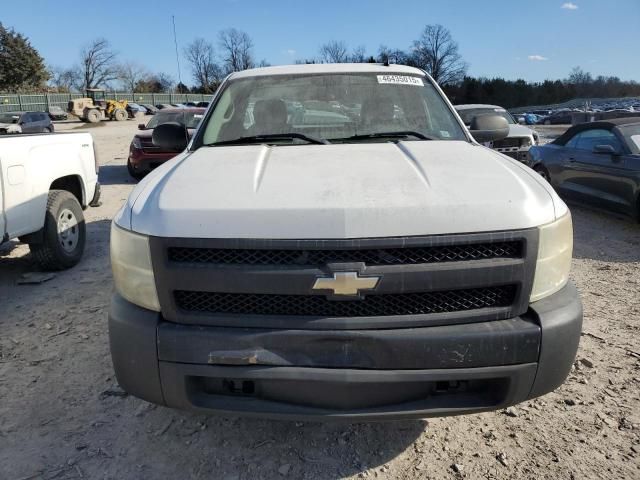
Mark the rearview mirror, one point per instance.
(141, 126)
(489, 128)
(172, 137)
(605, 149)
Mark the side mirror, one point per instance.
(141, 126)
(522, 121)
(605, 150)
(489, 128)
(172, 137)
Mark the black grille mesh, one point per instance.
(507, 143)
(372, 256)
(372, 306)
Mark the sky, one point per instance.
(530, 39)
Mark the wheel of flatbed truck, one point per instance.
(93, 116)
(64, 233)
(120, 115)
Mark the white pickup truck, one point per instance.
(46, 180)
(333, 243)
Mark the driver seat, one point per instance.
(269, 117)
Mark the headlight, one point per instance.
(132, 270)
(136, 143)
(555, 249)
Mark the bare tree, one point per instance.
(581, 81)
(206, 72)
(131, 74)
(334, 52)
(393, 55)
(359, 55)
(64, 79)
(163, 80)
(98, 64)
(154, 83)
(237, 50)
(437, 53)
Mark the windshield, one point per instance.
(331, 107)
(190, 119)
(468, 114)
(9, 118)
(632, 134)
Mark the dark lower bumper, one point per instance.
(373, 374)
(143, 162)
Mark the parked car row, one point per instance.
(564, 116)
(36, 121)
(162, 106)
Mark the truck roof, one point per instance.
(327, 68)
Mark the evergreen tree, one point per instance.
(21, 66)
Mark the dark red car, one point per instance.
(144, 156)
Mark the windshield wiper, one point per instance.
(266, 138)
(402, 134)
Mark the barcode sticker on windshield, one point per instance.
(400, 80)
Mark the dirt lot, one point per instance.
(63, 416)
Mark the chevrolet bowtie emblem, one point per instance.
(346, 283)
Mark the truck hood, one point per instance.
(338, 191)
(517, 130)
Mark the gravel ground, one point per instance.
(63, 416)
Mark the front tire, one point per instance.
(93, 116)
(64, 233)
(133, 172)
(120, 115)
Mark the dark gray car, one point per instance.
(29, 122)
(595, 163)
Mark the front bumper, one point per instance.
(517, 153)
(144, 162)
(353, 374)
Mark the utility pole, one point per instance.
(175, 41)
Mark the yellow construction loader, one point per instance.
(95, 107)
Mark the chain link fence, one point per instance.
(41, 102)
